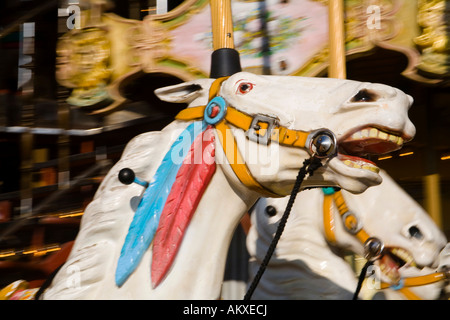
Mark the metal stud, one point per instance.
(322, 143)
(127, 176)
(271, 211)
(373, 248)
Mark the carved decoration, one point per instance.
(433, 17)
(149, 44)
(364, 30)
(83, 63)
(294, 37)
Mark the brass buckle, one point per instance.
(252, 133)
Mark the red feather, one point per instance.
(192, 179)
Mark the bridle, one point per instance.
(258, 128)
(373, 247)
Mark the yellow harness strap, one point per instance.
(241, 120)
(415, 282)
(237, 162)
(194, 113)
(350, 220)
(419, 281)
(409, 294)
(328, 218)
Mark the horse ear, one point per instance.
(185, 92)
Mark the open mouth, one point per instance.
(356, 146)
(392, 260)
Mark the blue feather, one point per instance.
(146, 219)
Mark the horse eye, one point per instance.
(245, 87)
(365, 95)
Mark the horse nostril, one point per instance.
(271, 211)
(415, 232)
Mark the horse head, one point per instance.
(366, 119)
(413, 243)
(324, 225)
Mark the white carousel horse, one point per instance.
(131, 244)
(309, 263)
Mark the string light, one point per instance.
(33, 251)
(406, 154)
(71, 215)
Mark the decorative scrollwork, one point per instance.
(149, 42)
(83, 64)
(433, 17)
(358, 32)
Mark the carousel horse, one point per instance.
(241, 137)
(309, 261)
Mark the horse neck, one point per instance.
(309, 222)
(198, 269)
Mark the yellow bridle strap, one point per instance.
(238, 118)
(241, 120)
(350, 221)
(415, 282)
(236, 160)
(215, 87)
(196, 113)
(409, 294)
(419, 280)
(328, 218)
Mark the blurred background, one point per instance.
(77, 81)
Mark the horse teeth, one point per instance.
(382, 135)
(393, 138)
(371, 168)
(376, 133)
(373, 133)
(353, 164)
(364, 133)
(357, 135)
(404, 255)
